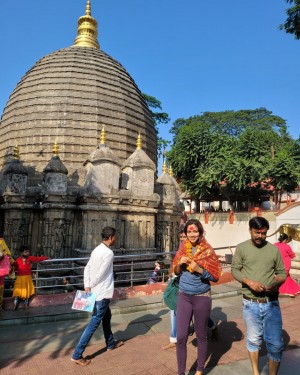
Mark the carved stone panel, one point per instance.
(15, 183)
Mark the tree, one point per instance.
(292, 23)
(158, 118)
(234, 122)
(230, 155)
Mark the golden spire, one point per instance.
(171, 171)
(55, 149)
(16, 152)
(139, 142)
(164, 168)
(103, 137)
(87, 30)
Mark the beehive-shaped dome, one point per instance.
(68, 96)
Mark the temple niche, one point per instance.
(60, 188)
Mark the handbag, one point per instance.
(171, 293)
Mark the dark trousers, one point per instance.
(187, 306)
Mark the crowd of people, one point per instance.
(262, 269)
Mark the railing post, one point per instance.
(131, 273)
(37, 284)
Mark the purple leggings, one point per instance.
(187, 306)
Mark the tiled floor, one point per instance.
(45, 348)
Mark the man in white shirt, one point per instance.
(99, 279)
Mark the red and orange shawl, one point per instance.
(204, 256)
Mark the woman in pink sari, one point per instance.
(290, 286)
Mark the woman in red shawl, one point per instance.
(197, 265)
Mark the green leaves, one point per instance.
(292, 23)
(158, 118)
(231, 154)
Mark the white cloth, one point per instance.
(98, 273)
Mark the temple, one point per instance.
(78, 152)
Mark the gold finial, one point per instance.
(88, 11)
(164, 168)
(16, 152)
(139, 142)
(55, 149)
(103, 137)
(87, 30)
(171, 171)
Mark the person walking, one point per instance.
(257, 264)
(23, 287)
(99, 279)
(197, 264)
(290, 287)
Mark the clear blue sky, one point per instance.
(192, 55)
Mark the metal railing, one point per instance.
(130, 269)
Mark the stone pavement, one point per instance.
(40, 340)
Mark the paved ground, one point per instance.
(143, 323)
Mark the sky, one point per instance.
(192, 55)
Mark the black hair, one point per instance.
(283, 237)
(258, 223)
(108, 232)
(194, 222)
(24, 247)
(181, 228)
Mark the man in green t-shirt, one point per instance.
(258, 265)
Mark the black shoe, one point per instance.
(191, 329)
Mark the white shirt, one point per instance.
(98, 273)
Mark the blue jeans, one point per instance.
(173, 335)
(101, 312)
(263, 320)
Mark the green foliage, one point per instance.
(158, 118)
(234, 123)
(234, 154)
(292, 23)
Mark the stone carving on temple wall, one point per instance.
(55, 182)
(60, 239)
(17, 231)
(15, 183)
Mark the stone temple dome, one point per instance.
(67, 97)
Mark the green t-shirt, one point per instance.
(257, 264)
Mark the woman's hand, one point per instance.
(184, 260)
(195, 267)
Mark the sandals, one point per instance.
(81, 361)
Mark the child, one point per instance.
(24, 288)
(4, 271)
(68, 286)
(154, 275)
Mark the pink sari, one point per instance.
(290, 287)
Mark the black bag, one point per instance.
(171, 293)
